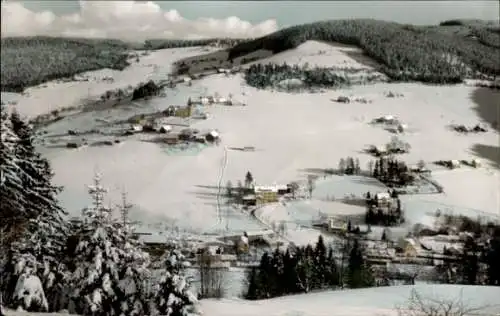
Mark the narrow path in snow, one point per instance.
(219, 185)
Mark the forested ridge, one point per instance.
(406, 52)
(29, 61)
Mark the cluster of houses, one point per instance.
(383, 201)
(175, 132)
(478, 128)
(258, 195)
(391, 123)
(395, 146)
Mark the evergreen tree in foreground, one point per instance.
(11, 186)
(173, 295)
(111, 269)
(32, 212)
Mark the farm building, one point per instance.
(170, 111)
(186, 134)
(249, 200)
(212, 136)
(382, 199)
(454, 164)
(343, 99)
(386, 119)
(334, 226)
(266, 194)
(408, 247)
(165, 129)
(476, 163)
(401, 128)
(171, 139)
(136, 128)
(206, 100)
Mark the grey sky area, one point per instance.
(139, 20)
(295, 12)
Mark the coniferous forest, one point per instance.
(309, 268)
(433, 54)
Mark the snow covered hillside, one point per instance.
(292, 133)
(56, 95)
(323, 54)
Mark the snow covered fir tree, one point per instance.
(174, 297)
(111, 269)
(47, 263)
(112, 275)
(33, 228)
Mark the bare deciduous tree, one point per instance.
(211, 276)
(310, 185)
(294, 187)
(419, 305)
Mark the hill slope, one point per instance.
(29, 61)
(406, 52)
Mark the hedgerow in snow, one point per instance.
(111, 270)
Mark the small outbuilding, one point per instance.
(136, 128)
(454, 164)
(249, 200)
(212, 136)
(408, 247)
(165, 129)
(343, 99)
(476, 163)
(401, 128)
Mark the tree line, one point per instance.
(303, 269)
(29, 61)
(272, 75)
(94, 266)
(480, 256)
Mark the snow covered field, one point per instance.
(56, 94)
(361, 302)
(291, 132)
(381, 301)
(320, 54)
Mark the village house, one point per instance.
(212, 136)
(270, 194)
(165, 129)
(207, 100)
(454, 164)
(249, 200)
(407, 247)
(383, 199)
(266, 194)
(476, 163)
(171, 139)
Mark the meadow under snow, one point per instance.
(56, 95)
(292, 133)
(381, 301)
